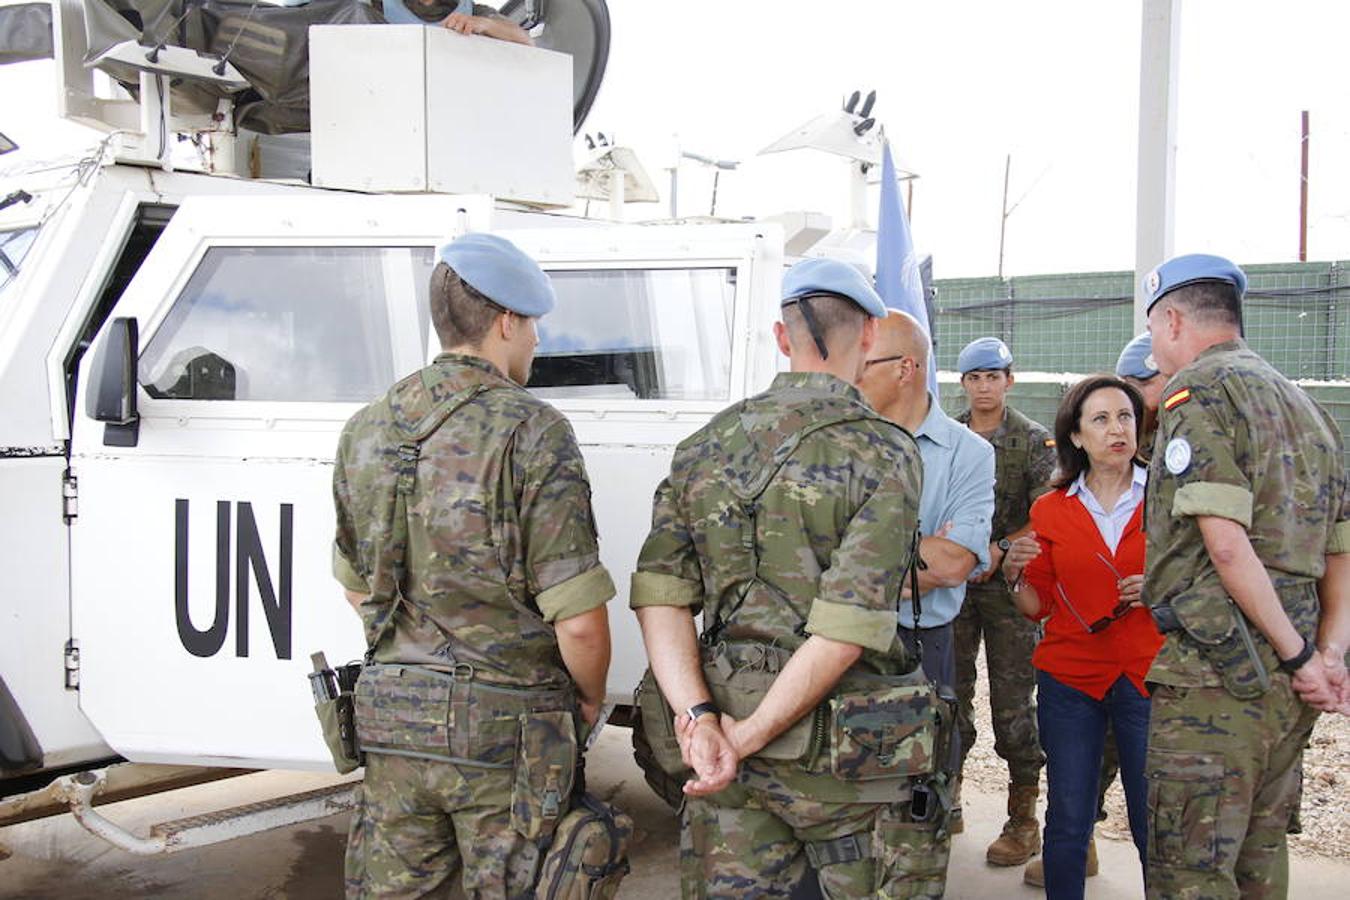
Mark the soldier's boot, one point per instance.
(1035, 872)
(1021, 837)
(957, 822)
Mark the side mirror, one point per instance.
(112, 392)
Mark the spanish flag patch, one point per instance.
(1177, 399)
(1050, 442)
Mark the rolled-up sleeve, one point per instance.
(969, 504)
(562, 553)
(668, 572)
(346, 568)
(858, 593)
(1199, 454)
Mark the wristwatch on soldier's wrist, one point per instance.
(1290, 666)
(703, 709)
(1002, 544)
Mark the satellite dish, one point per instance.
(579, 28)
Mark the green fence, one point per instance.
(1077, 323)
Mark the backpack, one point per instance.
(589, 854)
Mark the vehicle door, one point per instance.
(201, 571)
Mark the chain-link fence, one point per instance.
(1077, 323)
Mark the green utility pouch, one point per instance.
(333, 705)
(888, 727)
(589, 854)
(655, 748)
(1210, 621)
(546, 763)
(739, 674)
(339, 732)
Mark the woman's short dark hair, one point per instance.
(1073, 461)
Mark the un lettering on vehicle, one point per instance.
(244, 568)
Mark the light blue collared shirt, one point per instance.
(958, 487)
(1111, 523)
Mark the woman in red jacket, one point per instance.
(1080, 570)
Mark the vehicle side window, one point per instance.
(648, 334)
(304, 324)
(14, 246)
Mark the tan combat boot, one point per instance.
(1021, 837)
(1035, 873)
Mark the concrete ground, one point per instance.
(55, 858)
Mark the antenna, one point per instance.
(153, 55)
(219, 68)
(867, 104)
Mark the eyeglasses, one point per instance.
(1121, 610)
(873, 362)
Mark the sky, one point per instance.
(962, 85)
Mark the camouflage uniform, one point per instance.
(1024, 457)
(831, 552)
(500, 544)
(1236, 440)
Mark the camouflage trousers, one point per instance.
(1009, 640)
(418, 822)
(751, 839)
(1224, 782)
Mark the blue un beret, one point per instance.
(984, 353)
(830, 276)
(500, 271)
(1136, 360)
(1183, 270)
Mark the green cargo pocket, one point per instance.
(885, 733)
(1183, 808)
(546, 761)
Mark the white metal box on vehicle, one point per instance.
(471, 116)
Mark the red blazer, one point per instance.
(1070, 544)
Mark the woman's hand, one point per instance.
(1131, 587)
(1023, 551)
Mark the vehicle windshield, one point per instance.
(14, 246)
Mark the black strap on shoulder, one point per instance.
(409, 452)
(747, 498)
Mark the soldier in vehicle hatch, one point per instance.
(466, 543)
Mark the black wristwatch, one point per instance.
(1002, 544)
(1290, 666)
(702, 709)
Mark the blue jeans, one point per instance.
(1073, 732)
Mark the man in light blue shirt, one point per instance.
(958, 486)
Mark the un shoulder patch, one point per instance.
(1178, 455)
(1176, 399)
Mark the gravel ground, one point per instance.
(1326, 783)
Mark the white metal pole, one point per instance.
(616, 199)
(1160, 40)
(857, 194)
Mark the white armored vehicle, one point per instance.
(230, 264)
